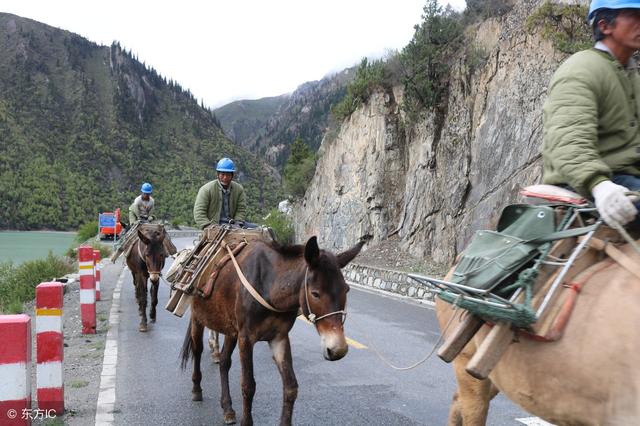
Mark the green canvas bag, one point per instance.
(493, 256)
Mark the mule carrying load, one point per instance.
(525, 276)
(194, 271)
(125, 244)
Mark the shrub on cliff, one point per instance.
(299, 169)
(281, 225)
(370, 76)
(425, 60)
(564, 25)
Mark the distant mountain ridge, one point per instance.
(242, 120)
(268, 126)
(82, 126)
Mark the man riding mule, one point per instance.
(580, 280)
(142, 206)
(220, 200)
(139, 213)
(591, 121)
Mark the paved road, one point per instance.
(357, 390)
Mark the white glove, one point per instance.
(612, 203)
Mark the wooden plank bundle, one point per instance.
(193, 268)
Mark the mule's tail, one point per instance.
(187, 348)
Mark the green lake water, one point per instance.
(20, 246)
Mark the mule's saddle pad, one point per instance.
(197, 266)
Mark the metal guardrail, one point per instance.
(179, 233)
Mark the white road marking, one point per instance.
(107, 395)
(534, 421)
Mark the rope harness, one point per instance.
(313, 318)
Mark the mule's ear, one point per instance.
(143, 237)
(311, 251)
(347, 256)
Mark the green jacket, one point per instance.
(590, 120)
(208, 205)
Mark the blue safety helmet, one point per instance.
(226, 165)
(611, 4)
(146, 188)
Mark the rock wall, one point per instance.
(435, 185)
(388, 280)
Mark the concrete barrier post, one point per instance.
(15, 369)
(87, 290)
(49, 347)
(96, 268)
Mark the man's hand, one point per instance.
(614, 206)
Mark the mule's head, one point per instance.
(323, 296)
(154, 253)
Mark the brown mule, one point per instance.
(146, 260)
(289, 278)
(588, 377)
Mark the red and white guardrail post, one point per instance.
(49, 347)
(96, 269)
(87, 290)
(15, 369)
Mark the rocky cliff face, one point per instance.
(435, 185)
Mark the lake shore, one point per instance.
(22, 246)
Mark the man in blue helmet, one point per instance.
(220, 200)
(141, 207)
(590, 117)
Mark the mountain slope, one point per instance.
(269, 126)
(82, 126)
(241, 120)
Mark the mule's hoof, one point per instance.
(216, 357)
(196, 396)
(143, 328)
(230, 418)
(153, 320)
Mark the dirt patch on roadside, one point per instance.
(387, 254)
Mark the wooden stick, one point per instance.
(173, 300)
(460, 337)
(490, 351)
(183, 304)
(623, 259)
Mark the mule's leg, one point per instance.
(470, 404)
(154, 300)
(247, 381)
(141, 297)
(197, 330)
(225, 364)
(281, 349)
(214, 346)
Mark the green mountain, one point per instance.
(83, 125)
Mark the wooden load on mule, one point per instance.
(194, 271)
(125, 244)
(525, 275)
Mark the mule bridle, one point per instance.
(312, 317)
(142, 257)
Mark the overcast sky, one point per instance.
(237, 49)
